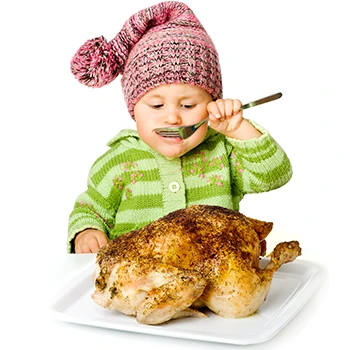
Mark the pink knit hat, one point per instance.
(162, 44)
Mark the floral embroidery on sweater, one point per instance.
(90, 208)
(133, 177)
(237, 164)
(202, 165)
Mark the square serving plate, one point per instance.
(292, 286)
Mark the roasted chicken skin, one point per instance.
(201, 256)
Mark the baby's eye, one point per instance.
(157, 106)
(187, 106)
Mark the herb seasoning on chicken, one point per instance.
(201, 256)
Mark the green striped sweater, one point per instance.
(131, 185)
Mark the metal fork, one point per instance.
(186, 131)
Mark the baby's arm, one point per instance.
(260, 162)
(89, 241)
(94, 210)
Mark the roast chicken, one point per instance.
(199, 257)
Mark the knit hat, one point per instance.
(162, 44)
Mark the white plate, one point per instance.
(292, 286)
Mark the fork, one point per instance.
(186, 131)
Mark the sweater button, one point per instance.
(174, 186)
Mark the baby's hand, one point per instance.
(225, 116)
(89, 241)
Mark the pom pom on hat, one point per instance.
(162, 44)
(95, 63)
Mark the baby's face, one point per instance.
(168, 106)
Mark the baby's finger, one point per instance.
(102, 240)
(213, 110)
(221, 106)
(94, 246)
(82, 249)
(228, 108)
(237, 104)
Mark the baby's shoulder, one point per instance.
(126, 135)
(123, 148)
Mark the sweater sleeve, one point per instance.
(260, 164)
(95, 208)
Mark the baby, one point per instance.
(171, 77)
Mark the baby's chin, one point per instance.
(174, 156)
(173, 152)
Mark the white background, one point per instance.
(53, 128)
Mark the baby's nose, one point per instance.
(173, 118)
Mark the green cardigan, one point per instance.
(131, 185)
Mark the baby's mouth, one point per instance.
(182, 132)
(169, 136)
(172, 133)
